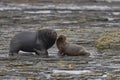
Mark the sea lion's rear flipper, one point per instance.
(41, 52)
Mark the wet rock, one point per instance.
(66, 66)
(110, 41)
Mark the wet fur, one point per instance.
(37, 42)
(66, 48)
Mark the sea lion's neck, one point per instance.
(61, 43)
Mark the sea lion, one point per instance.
(38, 41)
(66, 48)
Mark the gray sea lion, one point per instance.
(38, 41)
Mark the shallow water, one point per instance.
(82, 23)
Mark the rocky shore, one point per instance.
(93, 24)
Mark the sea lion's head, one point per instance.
(48, 37)
(61, 38)
(61, 42)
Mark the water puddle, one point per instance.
(76, 72)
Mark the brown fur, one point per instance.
(66, 48)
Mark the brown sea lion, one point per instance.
(66, 48)
(38, 41)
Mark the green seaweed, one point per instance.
(110, 41)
